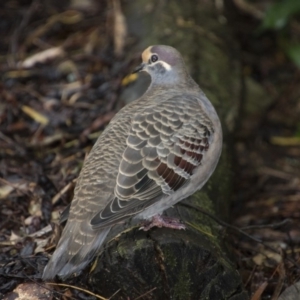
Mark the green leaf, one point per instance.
(279, 14)
(293, 53)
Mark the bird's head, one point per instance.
(163, 63)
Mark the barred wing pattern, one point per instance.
(166, 143)
(154, 152)
(94, 189)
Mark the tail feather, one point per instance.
(70, 256)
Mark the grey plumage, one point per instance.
(155, 152)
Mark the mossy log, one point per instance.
(194, 263)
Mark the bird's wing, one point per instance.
(165, 145)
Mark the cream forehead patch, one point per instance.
(146, 54)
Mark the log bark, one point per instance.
(195, 263)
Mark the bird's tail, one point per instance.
(76, 248)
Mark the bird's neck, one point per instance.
(179, 82)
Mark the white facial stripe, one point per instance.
(166, 65)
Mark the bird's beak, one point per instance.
(139, 68)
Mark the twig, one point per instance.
(61, 192)
(114, 294)
(280, 282)
(276, 173)
(274, 225)
(79, 289)
(145, 293)
(249, 9)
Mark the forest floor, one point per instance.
(267, 168)
(43, 140)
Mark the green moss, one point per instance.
(170, 258)
(123, 251)
(140, 244)
(183, 286)
(202, 200)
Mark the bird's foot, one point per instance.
(162, 221)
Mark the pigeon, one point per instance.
(155, 152)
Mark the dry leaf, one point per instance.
(5, 190)
(42, 57)
(120, 28)
(262, 258)
(41, 244)
(70, 17)
(14, 237)
(268, 257)
(285, 141)
(259, 291)
(35, 208)
(36, 116)
(30, 291)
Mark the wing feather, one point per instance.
(165, 145)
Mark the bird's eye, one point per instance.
(154, 58)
